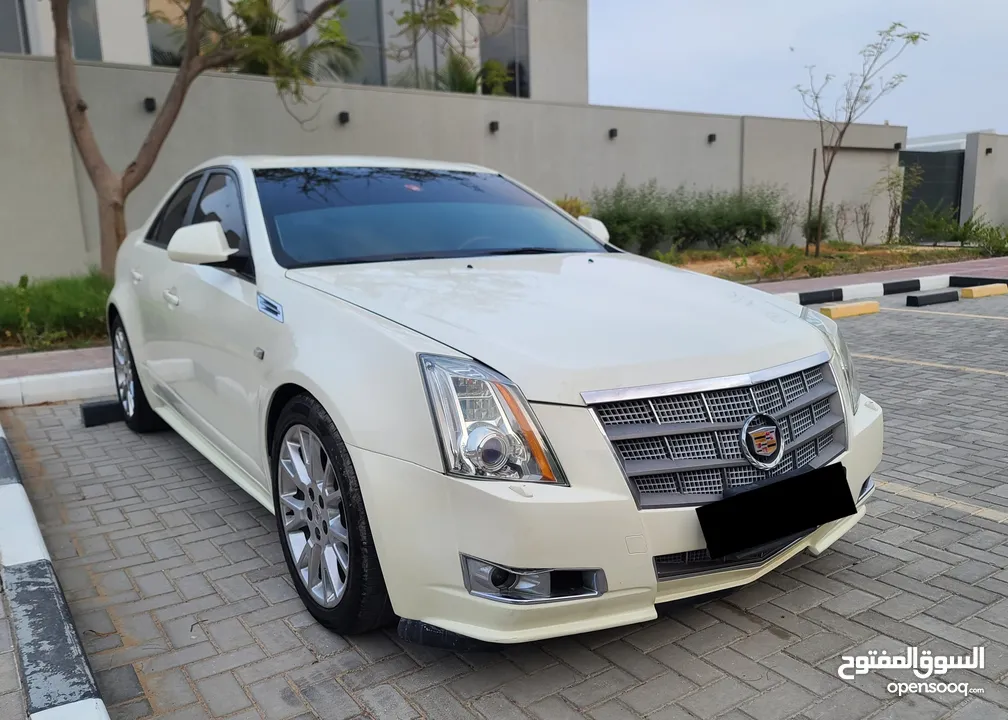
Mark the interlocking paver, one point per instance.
(178, 587)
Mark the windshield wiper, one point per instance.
(525, 251)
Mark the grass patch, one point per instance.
(54, 312)
(767, 263)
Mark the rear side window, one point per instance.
(220, 202)
(173, 213)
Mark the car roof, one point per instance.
(255, 162)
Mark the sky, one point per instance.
(745, 57)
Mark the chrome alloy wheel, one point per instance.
(124, 373)
(313, 516)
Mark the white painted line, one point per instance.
(80, 710)
(20, 538)
(57, 387)
(934, 282)
(862, 291)
(790, 297)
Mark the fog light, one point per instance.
(504, 584)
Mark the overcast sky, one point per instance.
(736, 57)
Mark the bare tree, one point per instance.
(210, 42)
(842, 220)
(862, 90)
(788, 210)
(864, 222)
(898, 184)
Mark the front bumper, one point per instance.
(423, 520)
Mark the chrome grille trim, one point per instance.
(684, 449)
(646, 392)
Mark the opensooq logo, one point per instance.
(923, 664)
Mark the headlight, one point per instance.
(832, 332)
(486, 427)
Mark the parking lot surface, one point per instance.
(179, 590)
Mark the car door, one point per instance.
(151, 272)
(218, 323)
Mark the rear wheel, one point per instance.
(323, 526)
(136, 410)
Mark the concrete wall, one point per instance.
(985, 177)
(48, 220)
(558, 50)
(780, 152)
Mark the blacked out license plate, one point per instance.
(777, 510)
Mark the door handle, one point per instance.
(137, 275)
(170, 297)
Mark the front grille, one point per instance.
(685, 448)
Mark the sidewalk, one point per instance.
(56, 361)
(991, 267)
(43, 363)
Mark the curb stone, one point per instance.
(880, 289)
(56, 677)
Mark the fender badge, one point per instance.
(269, 307)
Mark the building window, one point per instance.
(13, 28)
(84, 30)
(504, 38)
(362, 24)
(166, 35)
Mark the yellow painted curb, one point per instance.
(865, 307)
(980, 291)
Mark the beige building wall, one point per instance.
(985, 177)
(40, 218)
(558, 50)
(780, 152)
(558, 149)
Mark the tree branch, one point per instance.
(141, 166)
(224, 58)
(98, 170)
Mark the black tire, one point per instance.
(141, 418)
(365, 604)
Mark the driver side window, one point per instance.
(174, 213)
(220, 202)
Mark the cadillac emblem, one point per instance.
(762, 442)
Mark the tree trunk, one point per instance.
(819, 221)
(111, 227)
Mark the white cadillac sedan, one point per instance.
(466, 409)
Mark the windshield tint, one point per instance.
(329, 216)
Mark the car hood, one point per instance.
(561, 324)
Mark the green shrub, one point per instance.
(810, 228)
(637, 217)
(925, 224)
(41, 313)
(573, 206)
(779, 262)
(992, 240)
(644, 218)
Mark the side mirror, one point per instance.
(595, 227)
(200, 244)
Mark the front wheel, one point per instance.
(137, 412)
(323, 526)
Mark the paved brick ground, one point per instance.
(12, 703)
(179, 588)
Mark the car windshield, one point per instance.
(338, 215)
